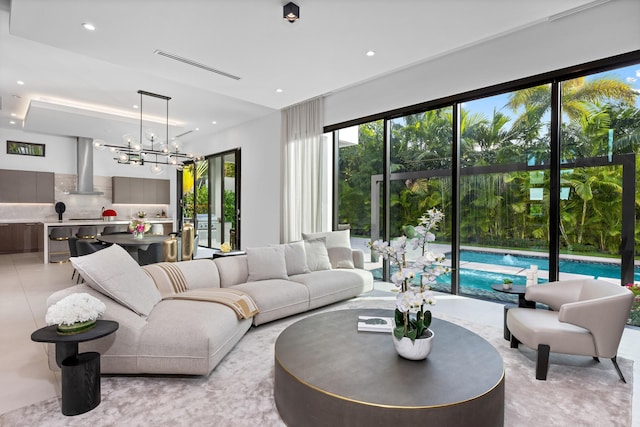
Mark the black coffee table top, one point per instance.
(327, 352)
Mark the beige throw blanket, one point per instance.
(173, 285)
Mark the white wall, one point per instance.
(259, 142)
(607, 30)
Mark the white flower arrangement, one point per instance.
(79, 307)
(412, 319)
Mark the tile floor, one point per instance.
(25, 284)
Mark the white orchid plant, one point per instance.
(412, 319)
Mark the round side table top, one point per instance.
(50, 334)
(515, 289)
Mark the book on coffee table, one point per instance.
(374, 324)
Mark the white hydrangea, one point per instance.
(78, 307)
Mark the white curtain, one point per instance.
(304, 178)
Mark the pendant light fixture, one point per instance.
(147, 147)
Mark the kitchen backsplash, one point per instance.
(77, 206)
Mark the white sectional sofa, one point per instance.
(168, 323)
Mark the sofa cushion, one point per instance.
(266, 263)
(317, 255)
(114, 273)
(329, 286)
(233, 270)
(188, 337)
(171, 277)
(338, 245)
(295, 257)
(276, 298)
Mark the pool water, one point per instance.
(594, 269)
(472, 280)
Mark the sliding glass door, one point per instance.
(543, 177)
(210, 198)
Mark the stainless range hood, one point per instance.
(84, 160)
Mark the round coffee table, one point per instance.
(328, 373)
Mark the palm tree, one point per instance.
(576, 95)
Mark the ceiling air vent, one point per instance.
(194, 63)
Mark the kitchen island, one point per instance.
(168, 224)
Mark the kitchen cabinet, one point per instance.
(20, 237)
(7, 239)
(18, 186)
(140, 191)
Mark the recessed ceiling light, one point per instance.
(135, 106)
(279, 90)
(214, 122)
(20, 82)
(370, 53)
(13, 114)
(88, 26)
(12, 122)
(197, 129)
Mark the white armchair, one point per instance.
(587, 317)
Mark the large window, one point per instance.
(544, 175)
(504, 188)
(358, 184)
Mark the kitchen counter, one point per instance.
(99, 223)
(72, 222)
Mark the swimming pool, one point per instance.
(475, 281)
(594, 269)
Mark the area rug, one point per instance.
(239, 392)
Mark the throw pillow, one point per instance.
(338, 246)
(317, 255)
(266, 263)
(296, 258)
(114, 273)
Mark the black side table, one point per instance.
(519, 290)
(80, 371)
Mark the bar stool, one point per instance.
(157, 229)
(87, 232)
(59, 234)
(114, 229)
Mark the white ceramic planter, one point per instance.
(418, 349)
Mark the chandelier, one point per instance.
(147, 148)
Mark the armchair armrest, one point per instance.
(604, 317)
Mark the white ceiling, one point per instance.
(43, 44)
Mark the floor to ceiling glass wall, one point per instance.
(504, 189)
(358, 185)
(420, 178)
(599, 146)
(545, 178)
